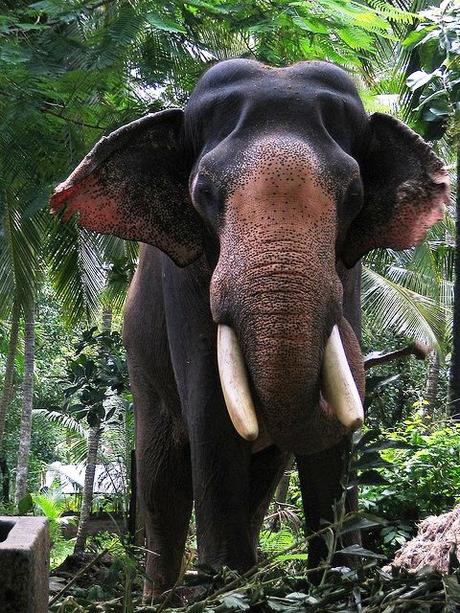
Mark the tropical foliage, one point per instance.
(73, 70)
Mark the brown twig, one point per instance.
(70, 120)
(376, 358)
(263, 564)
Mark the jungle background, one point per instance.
(72, 71)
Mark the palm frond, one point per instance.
(77, 451)
(64, 420)
(20, 254)
(76, 268)
(389, 305)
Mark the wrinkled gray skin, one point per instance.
(259, 201)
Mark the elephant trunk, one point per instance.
(276, 286)
(282, 307)
(282, 342)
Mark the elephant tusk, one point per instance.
(235, 385)
(339, 387)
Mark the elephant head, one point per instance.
(280, 178)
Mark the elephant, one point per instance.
(253, 206)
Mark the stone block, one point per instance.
(24, 564)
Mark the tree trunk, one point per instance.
(132, 508)
(400, 404)
(106, 319)
(281, 493)
(94, 436)
(5, 490)
(432, 378)
(283, 486)
(7, 396)
(27, 404)
(9, 369)
(454, 378)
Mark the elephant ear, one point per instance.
(134, 184)
(405, 188)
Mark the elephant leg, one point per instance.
(267, 467)
(221, 462)
(321, 476)
(165, 488)
(221, 492)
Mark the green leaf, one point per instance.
(375, 382)
(440, 107)
(416, 37)
(452, 589)
(356, 550)
(50, 507)
(110, 413)
(370, 460)
(393, 305)
(26, 504)
(219, 9)
(370, 477)
(419, 79)
(367, 437)
(356, 39)
(389, 444)
(311, 25)
(197, 607)
(234, 602)
(292, 556)
(165, 23)
(362, 521)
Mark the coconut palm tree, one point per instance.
(411, 292)
(8, 383)
(94, 437)
(430, 72)
(27, 405)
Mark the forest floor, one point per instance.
(111, 583)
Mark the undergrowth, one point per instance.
(383, 463)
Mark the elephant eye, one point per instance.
(205, 198)
(353, 200)
(201, 192)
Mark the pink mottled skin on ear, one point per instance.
(133, 184)
(60, 195)
(418, 215)
(96, 211)
(421, 226)
(418, 227)
(405, 189)
(419, 205)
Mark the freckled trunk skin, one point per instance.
(283, 305)
(277, 285)
(282, 338)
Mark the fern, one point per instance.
(393, 13)
(276, 542)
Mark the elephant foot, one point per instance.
(181, 596)
(189, 594)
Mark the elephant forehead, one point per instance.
(278, 160)
(281, 175)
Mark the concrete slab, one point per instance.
(24, 564)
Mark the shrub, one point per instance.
(420, 478)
